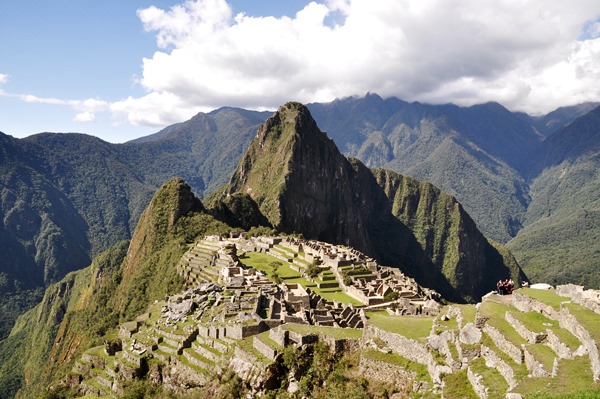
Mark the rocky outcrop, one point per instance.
(588, 298)
(302, 183)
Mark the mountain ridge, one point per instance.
(303, 184)
(100, 197)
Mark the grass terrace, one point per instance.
(549, 297)
(457, 386)
(543, 354)
(496, 311)
(262, 262)
(333, 332)
(588, 319)
(537, 322)
(520, 370)
(573, 375)
(492, 379)
(247, 345)
(413, 327)
(419, 369)
(468, 313)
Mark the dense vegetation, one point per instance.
(60, 207)
(87, 305)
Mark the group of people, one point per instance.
(505, 287)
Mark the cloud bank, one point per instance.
(531, 56)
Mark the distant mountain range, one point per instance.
(527, 181)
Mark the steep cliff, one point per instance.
(302, 183)
(447, 234)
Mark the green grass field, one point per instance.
(549, 297)
(262, 262)
(413, 327)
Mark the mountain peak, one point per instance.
(291, 118)
(301, 183)
(285, 145)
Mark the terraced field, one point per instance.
(532, 344)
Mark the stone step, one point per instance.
(198, 360)
(206, 351)
(161, 355)
(167, 348)
(94, 388)
(216, 344)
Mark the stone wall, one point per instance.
(535, 368)
(340, 345)
(409, 349)
(567, 321)
(477, 383)
(264, 348)
(514, 352)
(280, 336)
(492, 360)
(301, 339)
(588, 298)
(570, 323)
(561, 350)
(530, 336)
(238, 331)
(527, 304)
(405, 347)
(389, 373)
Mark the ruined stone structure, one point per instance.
(234, 317)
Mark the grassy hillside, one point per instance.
(86, 306)
(560, 240)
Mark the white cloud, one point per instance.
(3, 78)
(86, 116)
(522, 54)
(531, 55)
(86, 108)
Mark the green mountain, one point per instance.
(85, 307)
(560, 240)
(302, 184)
(521, 184)
(67, 197)
(298, 182)
(478, 154)
(561, 117)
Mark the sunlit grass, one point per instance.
(262, 262)
(413, 327)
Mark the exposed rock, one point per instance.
(302, 183)
(470, 334)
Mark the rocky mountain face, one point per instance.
(303, 184)
(526, 181)
(62, 207)
(478, 154)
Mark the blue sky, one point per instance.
(123, 69)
